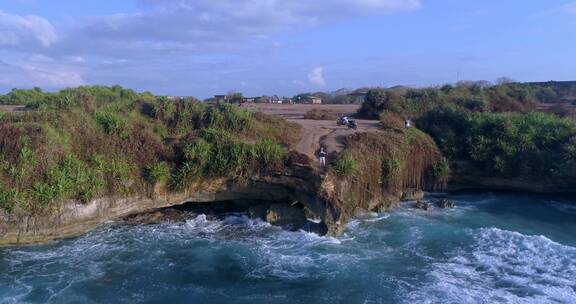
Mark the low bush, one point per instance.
(317, 114)
(110, 121)
(346, 165)
(391, 120)
(157, 173)
(74, 179)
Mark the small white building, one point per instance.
(275, 99)
(313, 100)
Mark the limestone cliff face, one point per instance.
(298, 182)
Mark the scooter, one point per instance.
(352, 125)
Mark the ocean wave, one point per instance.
(503, 267)
(563, 206)
(405, 255)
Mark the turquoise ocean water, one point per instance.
(492, 248)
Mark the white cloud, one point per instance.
(192, 25)
(167, 37)
(26, 31)
(316, 76)
(42, 73)
(569, 8)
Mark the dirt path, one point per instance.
(316, 133)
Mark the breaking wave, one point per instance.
(504, 267)
(476, 253)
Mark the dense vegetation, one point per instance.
(496, 128)
(412, 103)
(555, 91)
(89, 142)
(378, 166)
(536, 145)
(341, 96)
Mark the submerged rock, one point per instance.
(445, 204)
(424, 205)
(286, 216)
(412, 195)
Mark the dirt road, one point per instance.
(316, 133)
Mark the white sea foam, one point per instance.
(503, 267)
(401, 254)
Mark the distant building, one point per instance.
(221, 98)
(262, 99)
(313, 100)
(233, 98)
(276, 99)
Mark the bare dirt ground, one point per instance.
(316, 133)
(12, 108)
(546, 107)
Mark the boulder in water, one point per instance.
(424, 205)
(258, 211)
(286, 216)
(157, 217)
(412, 194)
(445, 204)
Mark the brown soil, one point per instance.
(318, 132)
(12, 108)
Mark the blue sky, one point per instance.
(205, 47)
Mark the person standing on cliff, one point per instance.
(322, 156)
(408, 124)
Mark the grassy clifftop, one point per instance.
(89, 142)
(492, 131)
(375, 168)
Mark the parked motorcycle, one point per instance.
(352, 125)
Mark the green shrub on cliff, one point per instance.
(268, 153)
(111, 121)
(227, 116)
(157, 173)
(75, 179)
(507, 144)
(23, 97)
(346, 165)
(84, 143)
(8, 200)
(219, 153)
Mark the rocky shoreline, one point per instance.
(300, 197)
(299, 185)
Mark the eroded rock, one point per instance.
(412, 195)
(445, 204)
(285, 216)
(258, 211)
(157, 217)
(423, 205)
